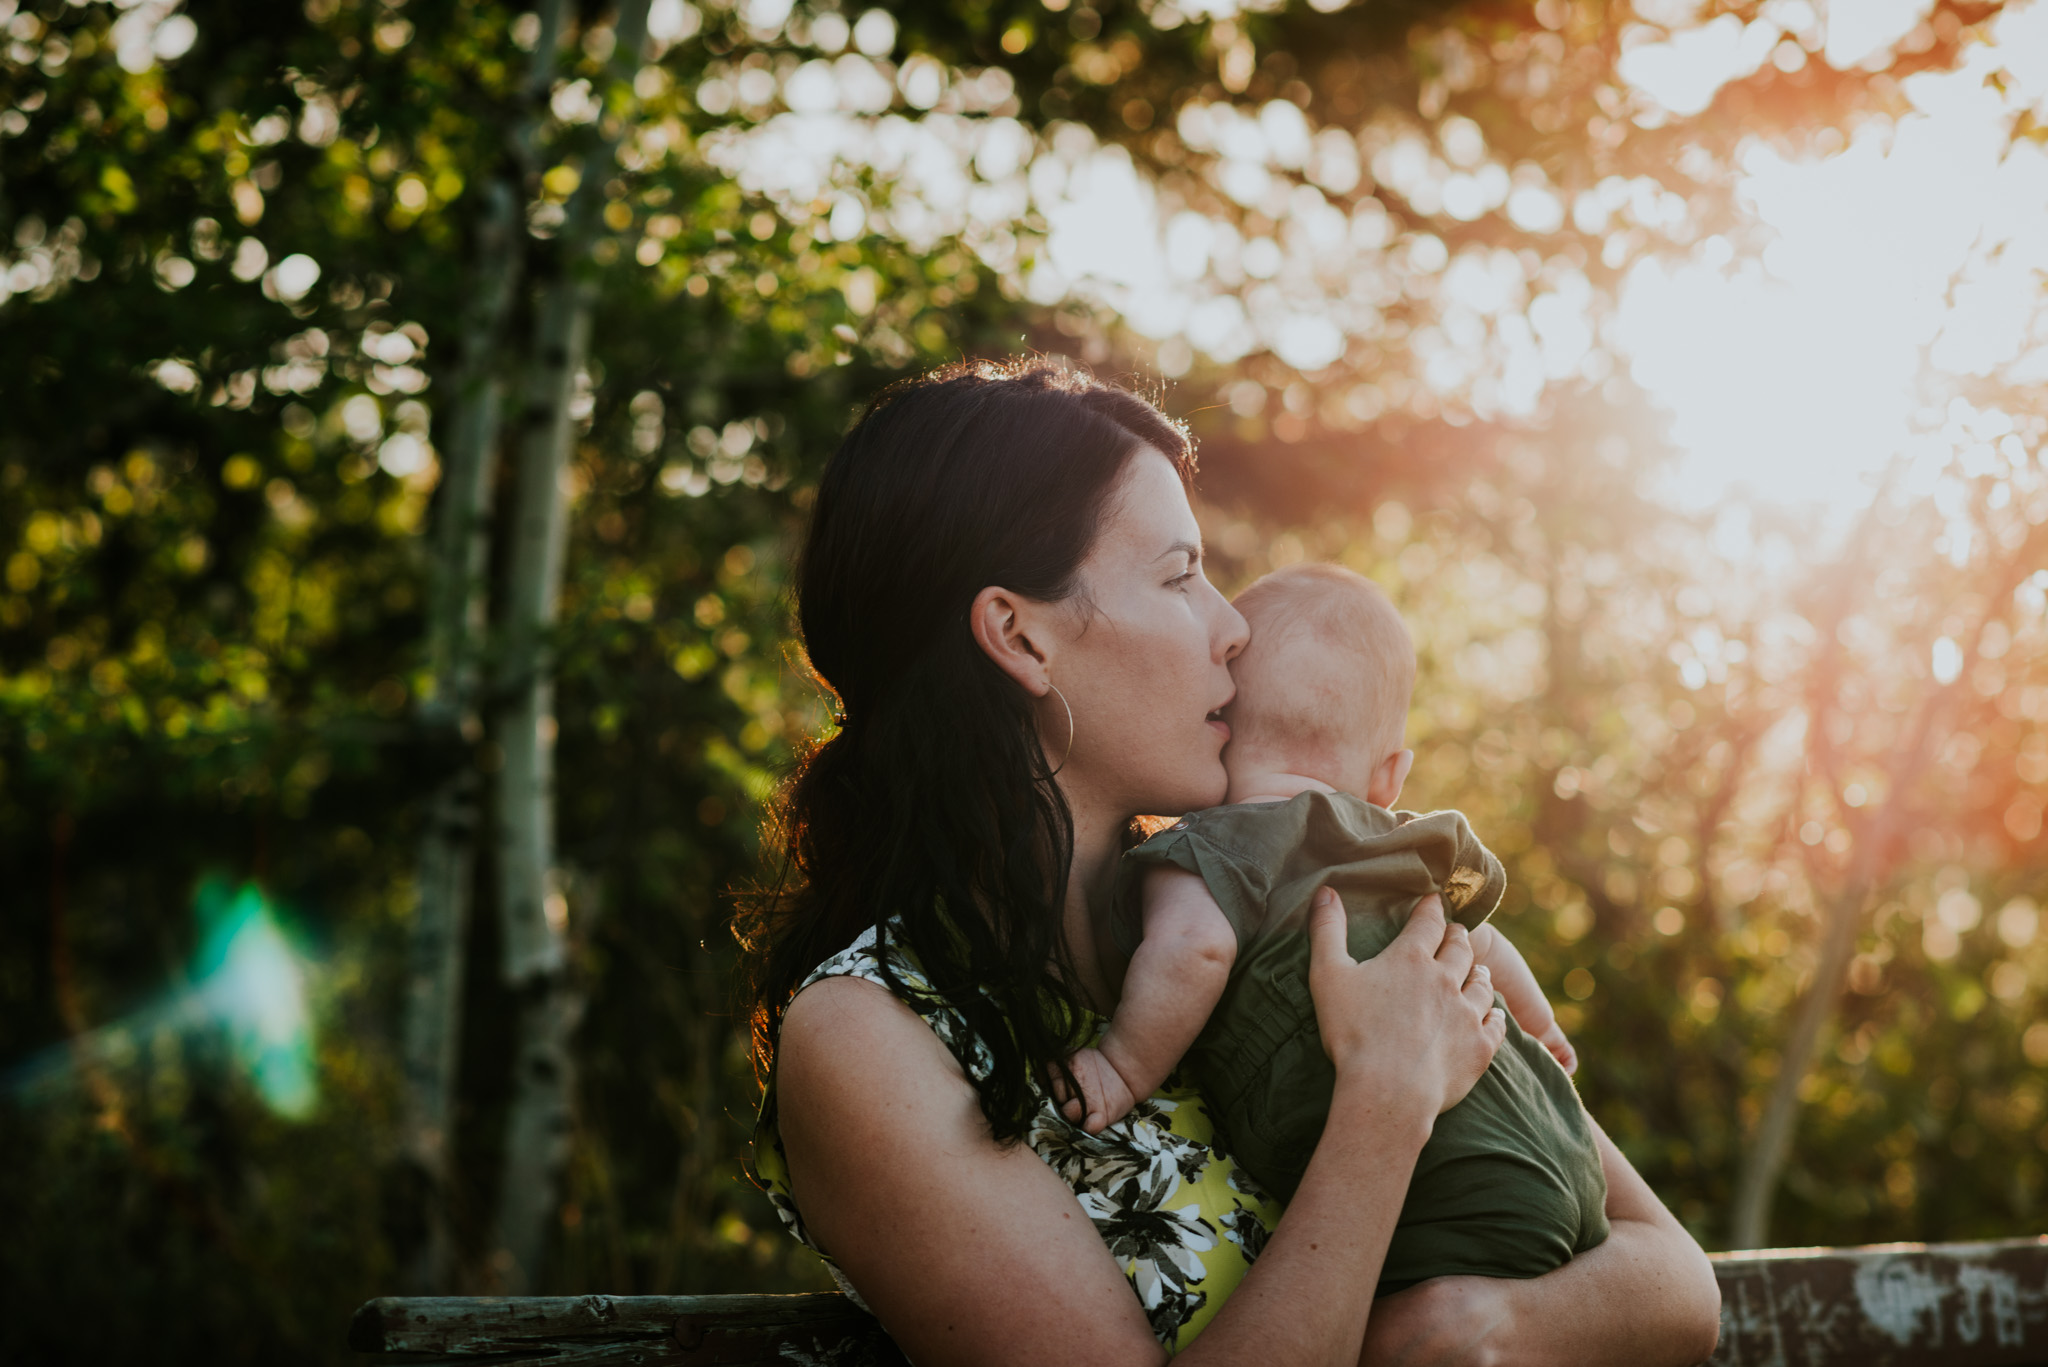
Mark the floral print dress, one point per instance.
(1178, 1216)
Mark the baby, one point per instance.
(1211, 915)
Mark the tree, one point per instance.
(275, 291)
(448, 706)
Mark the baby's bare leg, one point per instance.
(1516, 984)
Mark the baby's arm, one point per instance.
(1172, 984)
(1517, 987)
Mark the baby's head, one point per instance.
(1323, 686)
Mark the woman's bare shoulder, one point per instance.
(959, 1243)
(852, 1063)
(848, 1029)
(859, 1074)
(841, 997)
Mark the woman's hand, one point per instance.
(1409, 1032)
(1417, 1022)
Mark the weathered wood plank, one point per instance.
(733, 1331)
(1890, 1305)
(1894, 1305)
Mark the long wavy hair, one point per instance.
(931, 816)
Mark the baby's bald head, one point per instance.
(1323, 685)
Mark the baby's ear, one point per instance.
(1388, 777)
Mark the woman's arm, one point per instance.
(1644, 1298)
(973, 1253)
(966, 1251)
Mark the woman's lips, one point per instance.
(1220, 726)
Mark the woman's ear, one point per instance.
(1009, 629)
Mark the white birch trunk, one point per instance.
(448, 715)
(533, 909)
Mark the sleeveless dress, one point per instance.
(1178, 1215)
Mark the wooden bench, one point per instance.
(1891, 1305)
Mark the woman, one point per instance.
(1003, 585)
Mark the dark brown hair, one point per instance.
(931, 816)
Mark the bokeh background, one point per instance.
(407, 408)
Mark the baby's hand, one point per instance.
(1105, 1097)
(1560, 1048)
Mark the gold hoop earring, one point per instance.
(1068, 752)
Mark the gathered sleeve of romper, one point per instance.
(1263, 861)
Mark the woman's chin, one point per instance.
(1201, 783)
(1208, 791)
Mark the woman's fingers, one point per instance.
(1478, 990)
(1495, 1028)
(1407, 1015)
(1456, 950)
(1327, 941)
(1423, 936)
(1453, 945)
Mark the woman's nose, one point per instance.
(1234, 630)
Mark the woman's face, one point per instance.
(1144, 657)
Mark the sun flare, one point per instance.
(1901, 267)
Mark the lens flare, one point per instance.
(252, 982)
(1901, 270)
(249, 984)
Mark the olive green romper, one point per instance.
(1510, 1183)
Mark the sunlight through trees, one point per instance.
(410, 408)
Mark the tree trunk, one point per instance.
(1757, 1183)
(533, 908)
(447, 715)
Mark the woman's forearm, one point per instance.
(1307, 1298)
(1646, 1297)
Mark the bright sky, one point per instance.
(1911, 256)
(1897, 265)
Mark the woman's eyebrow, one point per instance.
(1191, 549)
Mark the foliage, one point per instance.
(1682, 771)
(235, 286)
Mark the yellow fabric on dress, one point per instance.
(1178, 1215)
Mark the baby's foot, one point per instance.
(1105, 1098)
